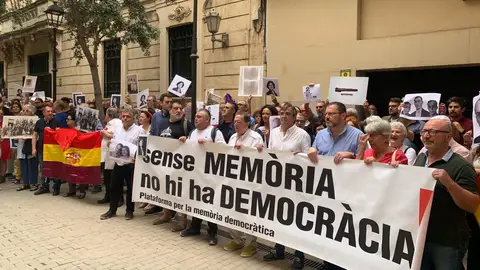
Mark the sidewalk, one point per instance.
(45, 232)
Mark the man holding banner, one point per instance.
(339, 140)
(288, 137)
(456, 193)
(244, 137)
(204, 132)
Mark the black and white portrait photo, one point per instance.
(79, 100)
(74, 95)
(476, 120)
(15, 90)
(86, 118)
(270, 87)
(432, 106)
(274, 121)
(142, 145)
(132, 84)
(179, 86)
(116, 101)
(142, 98)
(29, 84)
(311, 91)
(122, 151)
(420, 106)
(18, 127)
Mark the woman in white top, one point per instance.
(399, 133)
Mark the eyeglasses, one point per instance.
(432, 132)
(331, 114)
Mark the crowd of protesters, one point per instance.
(330, 129)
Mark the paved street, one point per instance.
(45, 232)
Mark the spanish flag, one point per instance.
(72, 156)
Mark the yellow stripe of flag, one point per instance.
(72, 156)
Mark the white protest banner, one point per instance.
(348, 90)
(356, 216)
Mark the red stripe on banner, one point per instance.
(72, 174)
(67, 137)
(425, 196)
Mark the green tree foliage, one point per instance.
(90, 22)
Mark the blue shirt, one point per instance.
(62, 118)
(157, 120)
(252, 123)
(445, 158)
(347, 141)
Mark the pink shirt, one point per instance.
(457, 149)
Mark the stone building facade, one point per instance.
(27, 50)
(327, 36)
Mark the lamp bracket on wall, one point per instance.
(223, 40)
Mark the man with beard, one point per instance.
(456, 108)
(165, 104)
(39, 105)
(338, 140)
(393, 111)
(173, 128)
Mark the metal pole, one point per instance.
(193, 58)
(54, 64)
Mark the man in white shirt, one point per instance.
(203, 133)
(244, 137)
(113, 123)
(288, 137)
(123, 170)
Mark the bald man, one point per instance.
(477, 117)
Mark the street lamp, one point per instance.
(54, 15)
(213, 19)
